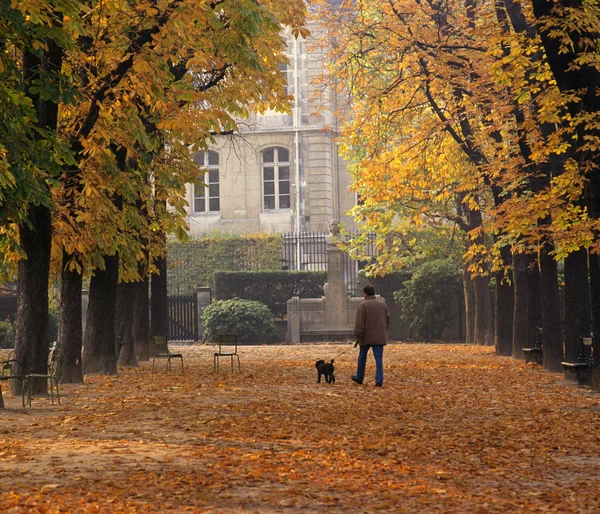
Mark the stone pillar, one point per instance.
(293, 309)
(336, 295)
(203, 297)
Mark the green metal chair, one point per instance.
(227, 347)
(7, 373)
(162, 352)
(50, 377)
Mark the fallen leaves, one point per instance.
(454, 429)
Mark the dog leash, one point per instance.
(339, 354)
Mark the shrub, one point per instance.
(427, 297)
(7, 334)
(273, 288)
(251, 321)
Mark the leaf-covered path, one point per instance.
(454, 429)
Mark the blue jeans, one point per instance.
(362, 362)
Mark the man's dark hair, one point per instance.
(369, 290)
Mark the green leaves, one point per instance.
(427, 298)
(250, 320)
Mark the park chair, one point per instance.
(162, 352)
(7, 373)
(50, 377)
(227, 347)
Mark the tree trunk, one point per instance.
(459, 320)
(70, 337)
(469, 308)
(594, 268)
(534, 300)
(504, 307)
(159, 309)
(141, 321)
(585, 79)
(484, 332)
(99, 344)
(595, 304)
(577, 303)
(553, 345)
(126, 292)
(31, 343)
(520, 335)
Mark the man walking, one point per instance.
(371, 330)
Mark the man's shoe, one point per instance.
(378, 384)
(356, 380)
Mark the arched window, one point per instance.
(275, 167)
(206, 196)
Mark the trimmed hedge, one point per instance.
(251, 321)
(273, 288)
(193, 264)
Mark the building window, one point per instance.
(206, 195)
(283, 69)
(275, 163)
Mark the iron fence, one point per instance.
(183, 318)
(308, 251)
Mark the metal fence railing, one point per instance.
(183, 318)
(312, 255)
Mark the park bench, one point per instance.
(582, 367)
(162, 352)
(536, 354)
(7, 373)
(50, 377)
(226, 347)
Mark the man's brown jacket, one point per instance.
(372, 322)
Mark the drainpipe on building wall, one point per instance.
(296, 125)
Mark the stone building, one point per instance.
(282, 172)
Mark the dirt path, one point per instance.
(454, 429)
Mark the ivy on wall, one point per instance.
(194, 263)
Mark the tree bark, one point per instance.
(469, 308)
(484, 332)
(141, 321)
(31, 343)
(159, 310)
(126, 292)
(459, 320)
(553, 344)
(99, 345)
(534, 300)
(520, 337)
(594, 261)
(577, 303)
(70, 336)
(585, 79)
(504, 307)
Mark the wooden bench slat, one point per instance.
(575, 365)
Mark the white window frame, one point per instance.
(276, 164)
(202, 160)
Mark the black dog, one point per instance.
(325, 368)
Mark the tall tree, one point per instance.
(569, 31)
(174, 76)
(42, 57)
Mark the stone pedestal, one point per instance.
(331, 317)
(336, 294)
